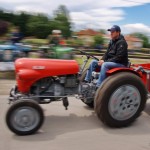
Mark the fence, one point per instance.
(139, 54)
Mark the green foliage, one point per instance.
(75, 42)
(62, 20)
(143, 37)
(40, 25)
(70, 42)
(7, 16)
(102, 31)
(78, 42)
(35, 41)
(98, 39)
(3, 27)
(21, 21)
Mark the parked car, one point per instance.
(10, 52)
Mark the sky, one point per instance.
(130, 15)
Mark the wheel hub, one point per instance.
(124, 102)
(25, 118)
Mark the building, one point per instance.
(87, 36)
(134, 42)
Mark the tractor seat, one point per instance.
(129, 63)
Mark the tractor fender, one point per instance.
(117, 70)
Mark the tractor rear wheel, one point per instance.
(120, 99)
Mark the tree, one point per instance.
(7, 16)
(98, 40)
(103, 31)
(143, 37)
(3, 27)
(39, 26)
(62, 20)
(21, 20)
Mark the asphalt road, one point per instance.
(75, 129)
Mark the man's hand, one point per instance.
(100, 62)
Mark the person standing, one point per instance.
(16, 35)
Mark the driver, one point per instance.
(115, 56)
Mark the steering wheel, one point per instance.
(88, 55)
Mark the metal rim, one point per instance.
(25, 118)
(124, 102)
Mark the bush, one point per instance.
(98, 40)
(3, 27)
(75, 42)
(35, 41)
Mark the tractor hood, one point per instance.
(46, 67)
(29, 70)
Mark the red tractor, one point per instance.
(118, 101)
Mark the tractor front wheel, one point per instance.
(24, 117)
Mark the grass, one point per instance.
(139, 61)
(132, 60)
(36, 41)
(81, 61)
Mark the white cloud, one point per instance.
(27, 8)
(100, 18)
(93, 3)
(138, 27)
(120, 3)
(84, 13)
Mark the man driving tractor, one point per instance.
(115, 56)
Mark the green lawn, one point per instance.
(36, 41)
(132, 60)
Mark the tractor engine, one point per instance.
(60, 86)
(87, 90)
(56, 87)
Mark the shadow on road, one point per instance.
(55, 126)
(147, 108)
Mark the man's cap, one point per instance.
(114, 28)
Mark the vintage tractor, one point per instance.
(56, 52)
(118, 101)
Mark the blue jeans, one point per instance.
(104, 68)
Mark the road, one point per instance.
(75, 129)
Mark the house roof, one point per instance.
(132, 38)
(127, 38)
(88, 32)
